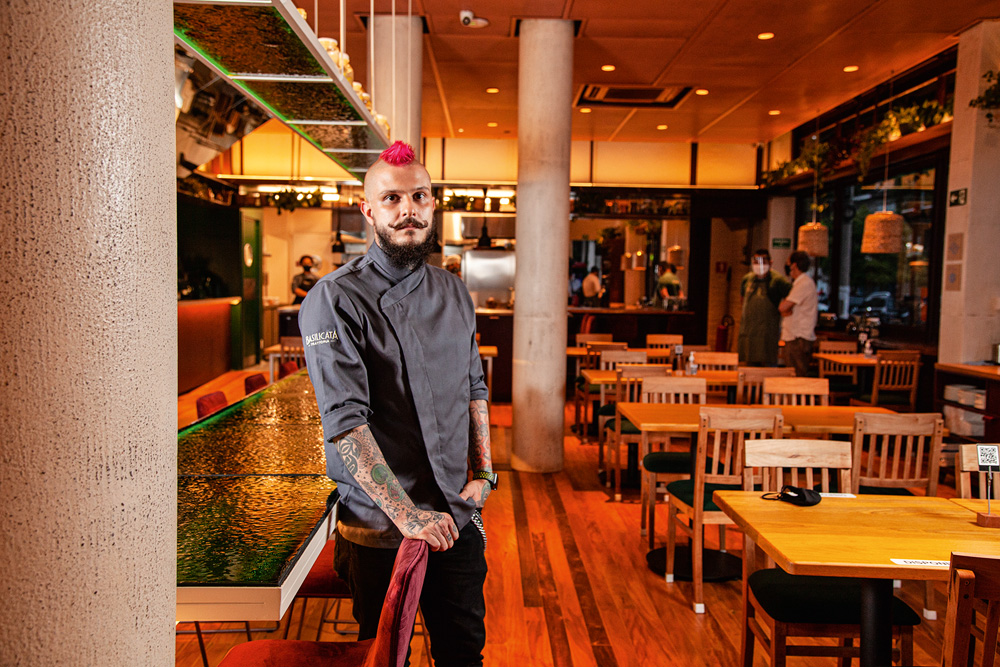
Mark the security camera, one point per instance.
(467, 17)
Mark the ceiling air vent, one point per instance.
(633, 96)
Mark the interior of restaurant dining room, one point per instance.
(168, 485)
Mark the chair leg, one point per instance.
(246, 624)
(722, 538)
(201, 643)
(671, 537)
(906, 645)
(747, 639)
(289, 614)
(697, 547)
(929, 612)
(779, 645)
(618, 469)
(847, 642)
(322, 619)
(651, 508)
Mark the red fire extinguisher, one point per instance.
(722, 333)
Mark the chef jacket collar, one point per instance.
(387, 268)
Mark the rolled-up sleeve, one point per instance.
(477, 382)
(334, 344)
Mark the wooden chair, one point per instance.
(717, 361)
(210, 403)
(390, 645)
(967, 463)
(629, 384)
(750, 382)
(609, 361)
(974, 586)
(788, 605)
(843, 377)
(292, 350)
(287, 368)
(666, 466)
(583, 338)
(893, 453)
(718, 465)
(660, 347)
(895, 382)
(796, 391)
(586, 393)
(252, 383)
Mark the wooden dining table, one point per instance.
(873, 538)
(853, 359)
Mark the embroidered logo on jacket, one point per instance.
(323, 337)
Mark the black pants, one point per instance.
(452, 600)
(798, 353)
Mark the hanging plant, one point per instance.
(289, 200)
(990, 99)
(817, 156)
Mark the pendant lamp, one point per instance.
(675, 255)
(883, 231)
(814, 238)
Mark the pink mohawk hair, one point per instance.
(399, 154)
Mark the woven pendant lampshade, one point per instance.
(883, 233)
(814, 238)
(675, 255)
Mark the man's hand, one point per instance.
(437, 529)
(478, 490)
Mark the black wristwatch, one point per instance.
(490, 477)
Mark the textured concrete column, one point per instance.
(88, 411)
(403, 112)
(970, 300)
(543, 144)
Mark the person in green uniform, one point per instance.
(760, 328)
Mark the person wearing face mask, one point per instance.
(799, 310)
(303, 282)
(760, 326)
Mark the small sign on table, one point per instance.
(989, 462)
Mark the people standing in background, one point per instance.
(303, 282)
(667, 284)
(799, 310)
(760, 326)
(592, 289)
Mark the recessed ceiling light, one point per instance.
(491, 124)
(774, 112)
(851, 68)
(461, 129)
(585, 109)
(492, 91)
(765, 35)
(701, 91)
(608, 68)
(661, 127)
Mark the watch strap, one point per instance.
(490, 477)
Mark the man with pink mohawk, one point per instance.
(390, 344)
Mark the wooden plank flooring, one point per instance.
(568, 583)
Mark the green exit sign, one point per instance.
(781, 243)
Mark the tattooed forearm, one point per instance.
(364, 460)
(480, 456)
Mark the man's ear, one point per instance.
(366, 210)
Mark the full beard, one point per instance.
(408, 255)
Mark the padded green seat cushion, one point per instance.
(883, 491)
(792, 598)
(683, 490)
(886, 397)
(627, 426)
(667, 462)
(607, 410)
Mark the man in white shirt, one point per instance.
(592, 289)
(799, 311)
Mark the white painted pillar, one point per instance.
(88, 411)
(970, 300)
(402, 75)
(543, 146)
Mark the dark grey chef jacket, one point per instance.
(395, 350)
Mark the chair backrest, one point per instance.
(717, 361)
(594, 350)
(896, 370)
(210, 403)
(582, 338)
(974, 579)
(670, 389)
(291, 347)
(828, 368)
(750, 382)
(967, 463)
(897, 450)
(611, 359)
(287, 368)
(399, 611)
(252, 383)
(796, 391)
(721, 435)
(661, 347)
(632, 378)
(796, 462)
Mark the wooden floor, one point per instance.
(568, 582)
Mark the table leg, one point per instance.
(876, 622)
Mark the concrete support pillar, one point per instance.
(970, 300)
(399, 67)
(543, 146)
(88, 412)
